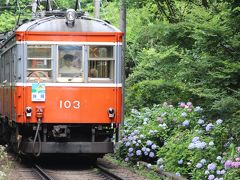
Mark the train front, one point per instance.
(70, 97)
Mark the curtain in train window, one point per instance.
(39, 62)
(101, 62)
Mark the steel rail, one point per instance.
(40, 172)
(108, 173)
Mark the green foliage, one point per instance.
(7, 21)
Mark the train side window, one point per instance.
(101, 63)
(70, 63)
(39, 62)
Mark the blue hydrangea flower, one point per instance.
(191, 146)
(126, 159)
(200, 145)
(154, 146)
(199, 165)
(223, 171)
(195, 139)
(151, 154)
(149, 166)
(185, 123)
(178, 174)
(209, 127)
(149, 143)
(211, 177)
(127, 144)
(142, 136)
(180, 161)
(198, 109)
(219, 121)
(184, 114)
(211, 167)
(206, 172)
(218, 172)
(143, 149)
(138, 152)
(136, 132)
(148, 150)
(161, 168)
(203, 161)
(130, 150)
(159, 161)
(211, 143)
(200, 121)
(145, 153)
(130, 154)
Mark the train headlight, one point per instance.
(71, 16)
(111, 113)
(28, 111)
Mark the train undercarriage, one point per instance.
(41, 138)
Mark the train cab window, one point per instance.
(101, 63)
(39, 62)
(70, 63)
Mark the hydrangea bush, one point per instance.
(180, 140)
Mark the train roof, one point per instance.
(58, 24)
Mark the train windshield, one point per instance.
(70, 63)
(39, 63)
(101, 63)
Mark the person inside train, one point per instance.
(70, 66)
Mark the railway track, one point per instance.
(36, 172)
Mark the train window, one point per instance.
(70, 63)
(101, 63)
(39, 62)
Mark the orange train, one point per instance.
(61, 85)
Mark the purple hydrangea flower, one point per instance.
(148, 150)
(211, 177)
(228, 164)
(199, 165)
(219, 121)
(126, 159)
(211, 167)
(182, 105)
(149, 143)
(138, 152)
(130, 154)
(209, 127)
(185, 123)
(145, 153)
(218, 172)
